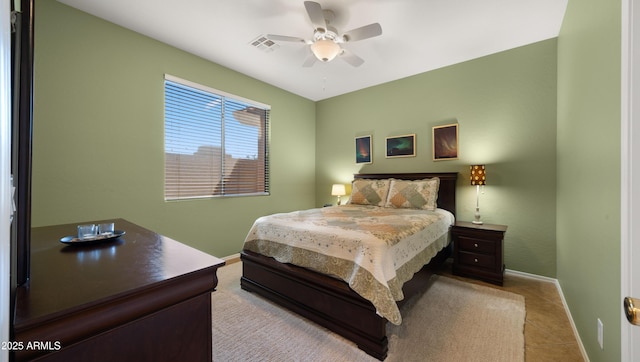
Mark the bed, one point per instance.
(328, 299)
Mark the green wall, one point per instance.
(98, 147)
(589, 140)
(505, 105)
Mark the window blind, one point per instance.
(215, 143)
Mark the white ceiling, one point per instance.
(417, 35)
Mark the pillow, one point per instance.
(369, 192)
(420, 194)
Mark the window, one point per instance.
(215, 143)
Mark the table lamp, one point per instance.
(478, 178)
(338, 190)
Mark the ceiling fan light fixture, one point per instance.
(325, 50)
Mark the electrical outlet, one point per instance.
(600, 334)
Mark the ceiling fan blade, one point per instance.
(285, 38)
(351, 58)
(315, 15)
(310, 61)
(365, 32)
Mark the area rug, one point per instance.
(451, 321)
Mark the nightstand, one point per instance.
(478, 251)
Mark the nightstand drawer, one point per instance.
(477, 260)
(475, 245)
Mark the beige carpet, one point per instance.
(452, 321)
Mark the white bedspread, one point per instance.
(374, 249)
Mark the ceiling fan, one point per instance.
(326, 41)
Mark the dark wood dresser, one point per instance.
(141, 297)
(478, 251)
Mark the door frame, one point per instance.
(5, 174)
(630, 172)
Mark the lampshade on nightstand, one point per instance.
(478, 178)
(338, 190)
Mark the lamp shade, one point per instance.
(325, 50)
(478, 175)
(338, 190)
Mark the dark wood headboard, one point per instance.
(446, 192)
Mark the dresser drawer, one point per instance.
(475, 245)
(477, 260)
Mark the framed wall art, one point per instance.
(445, 142)
(363, 149)
(401, 146)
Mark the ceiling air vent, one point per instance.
(264, 44)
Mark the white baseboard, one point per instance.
(529, 275)
(233, 258)
(564, 303)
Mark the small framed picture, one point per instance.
(363, 149)
(445, 142)
(401, 146)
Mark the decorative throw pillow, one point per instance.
(421, 194)
(369, 192)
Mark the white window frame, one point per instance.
(223, 165)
